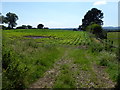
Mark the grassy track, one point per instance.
(56, 59)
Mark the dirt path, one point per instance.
(94, 78)
(103, 77)
(49, 77)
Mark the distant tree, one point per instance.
(24, 27)
(29, 26)
(0, 26)
(34, 28)
(11, 19)
(94, 15)
(2, 19)
(40, 26)
(75, 29)
(46, 28)
(79, 28)
(19, 27)
(3, 27)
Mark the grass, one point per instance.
(110, 61)
(65, 78)
(58, 37)
(114, 36)
(27, 59)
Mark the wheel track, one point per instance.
(49, 76)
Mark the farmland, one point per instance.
(41, 58)
(114, 36)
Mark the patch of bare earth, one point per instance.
(49, 77)
(94, 78)
(103, 77)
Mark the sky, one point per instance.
(59, 14)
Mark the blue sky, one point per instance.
(59, 14)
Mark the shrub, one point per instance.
(106, 58)
(12, 73)
(97, 30)
(96, 47)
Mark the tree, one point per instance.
(11, 19)
(79, 28)
(92, 16)
(24, 27)
(2, 19)
(4, 27)
(75, 29)
(97, 30)
(29, 26)
(46, 28)
(40, 26)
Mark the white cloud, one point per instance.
(100, 3)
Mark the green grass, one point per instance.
(27, 59)
(65, 78)
(109, 60)
(115, 37)
(58, 37)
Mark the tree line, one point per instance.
(11, 19)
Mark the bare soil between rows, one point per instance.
(84, 79)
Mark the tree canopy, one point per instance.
(24, 27)
(92, 16)
(40, 26)
(10, 19)
(97, 31)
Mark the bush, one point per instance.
(97, 30)
(12, 73)
(96, 47)
(106, 58)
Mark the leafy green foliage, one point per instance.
(11, 71)
(97, 30)
(92, 16)
(24, 62)
(10, 19)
